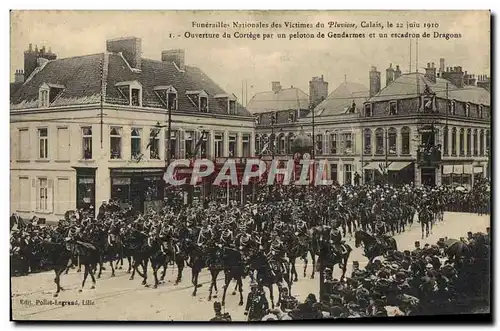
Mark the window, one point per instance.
(24, 143)
(291, 137)
(43, 143)
(379, 141)
(347, 174)
(87, 143)
(115, 148)
(204, 145)
(24, 197)
(246, 146)
(319, 144)
(481, 143)
(204, 104)
(405, 140)
(467, 110)
(333, 143)
(475, 143)
(368, 110)
(218, 145)
(282, 141)
(480, 111)
(428, 104)
(154, 144)
(445, 140)
(393, 108)
(232, 107)
(291, 117)
(392, 137)
(257, 144)
(131, 92)
(461, 142)
(452, 108)
(487, 142)
(257, 119)
(135, 144)
(333, 172)
(347, 138)
(44, 98)
(189, 143)
(469, 142)
(273, 118)
(63, 143)
(454, 141)
(172, 100)
(367, 139)
(233, 149)
(43, 195)
(172, 142)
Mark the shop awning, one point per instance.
(458, 169)
(447, 169)
(478, 170)
(467, 168)
(396, 166)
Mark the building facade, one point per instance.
(89, 128)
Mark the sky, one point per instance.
(229, 62)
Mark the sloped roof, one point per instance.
(342, 98)
(285, 99)
(406, 87)
(81, 77)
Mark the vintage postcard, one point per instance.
(249, 165)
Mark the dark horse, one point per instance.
(234, 268)
(59, 258)
(89, 257)
(374, 246)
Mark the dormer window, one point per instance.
(167, 96)
(131, 92)
(199, 99)
(291, 117)
(428, 104)
(480, 111)
(257, 119)
(467, 110)
(452, 108)
(232, 107)
(393, 108)
(368, 110)
(48, 93)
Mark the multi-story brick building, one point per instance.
(89, 128)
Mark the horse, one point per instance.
(59, 258)
(215, 266)
(89, 258)
(374, 246)
(331, 257)
(233, 269)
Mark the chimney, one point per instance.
(374, 81)
(441, 65)
(397, 72)
(276, 87)
(19, 76)
(430, 72)
(455, 76)
(32, 59)
(176, 56)
(130, 47)
(389, 75)
(318, 91)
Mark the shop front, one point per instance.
(139, 188)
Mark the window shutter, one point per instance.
(327, 143)
(196, 137)
(180, 143)
(341, 143)
(50, 195)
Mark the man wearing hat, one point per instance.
(257, 304)
(417, 251)
(219, 317)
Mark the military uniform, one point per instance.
(257, 306)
